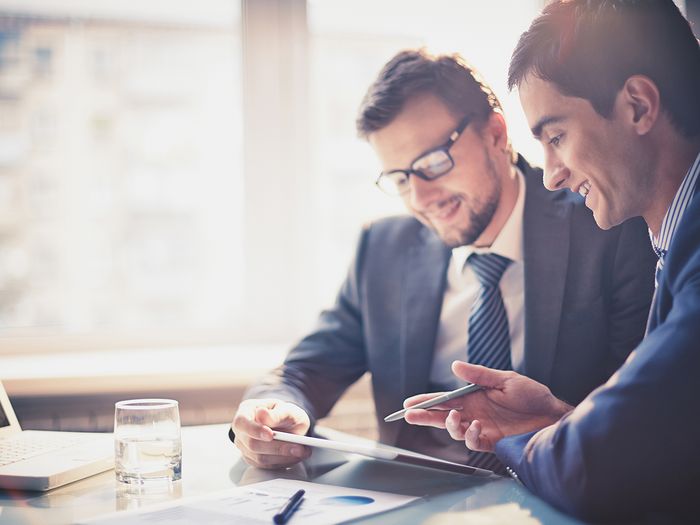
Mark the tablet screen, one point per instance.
(384, 452)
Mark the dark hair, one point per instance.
(415, 72)
(589, 48)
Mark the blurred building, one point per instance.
(120, 151)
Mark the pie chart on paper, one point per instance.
(346, 501)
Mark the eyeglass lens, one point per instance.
(434, 163)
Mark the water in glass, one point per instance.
(147, 441)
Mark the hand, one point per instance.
(509, 404)
(253, 425)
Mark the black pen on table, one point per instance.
(289, 507)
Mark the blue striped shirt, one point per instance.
(674, 215)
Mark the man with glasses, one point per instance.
(490, 268)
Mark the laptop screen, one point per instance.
(4, 422)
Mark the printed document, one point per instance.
(259, 502)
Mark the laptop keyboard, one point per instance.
(25, 446)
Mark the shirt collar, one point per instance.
(509, 241)
(675, 212)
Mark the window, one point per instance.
(120, 170)
(180, 172)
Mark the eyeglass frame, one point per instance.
(445, 147)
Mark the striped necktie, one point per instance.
(489, 338)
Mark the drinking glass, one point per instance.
(147, 444)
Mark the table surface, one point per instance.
(211, 463)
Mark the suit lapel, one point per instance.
(652, 318)
(424, 286)
(546, 227)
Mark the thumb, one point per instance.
(479, 375)
(265, 416)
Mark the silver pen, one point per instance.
(434, 401)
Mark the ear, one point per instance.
(642, 101)
(496, 131)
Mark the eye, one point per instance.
(555, 141)
(399, 178)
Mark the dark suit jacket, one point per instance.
(632, 448)
(587, 295)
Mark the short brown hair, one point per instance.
(415, 72)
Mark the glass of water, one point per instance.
(147, 444)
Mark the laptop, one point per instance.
(42, 460)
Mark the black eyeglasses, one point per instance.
(429, 166)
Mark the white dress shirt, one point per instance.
(462, 289)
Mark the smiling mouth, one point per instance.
(445, 208)
(584, 188)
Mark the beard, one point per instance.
(479, 210)
(480, 215)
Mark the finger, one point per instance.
(475, 440)
(266, 461)
(455, 426)
(266, 416)
(479, 375)
(244, 423)
(248, 407)
(420, 398)
(280, 417)
(277, 448)
(471, 438)
(274, 419)
(426, 418)
(289, 418)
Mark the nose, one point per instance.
(421, 192)
(556, 174)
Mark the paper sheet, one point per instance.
(257, 503)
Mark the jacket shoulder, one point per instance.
(401, 228)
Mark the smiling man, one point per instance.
(582, 147)
(471, 204)
(488, 267)
(611, 88)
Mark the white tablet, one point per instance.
(384, 452)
